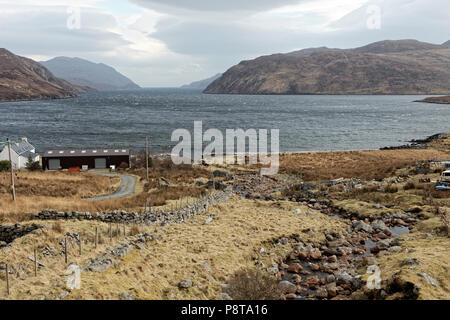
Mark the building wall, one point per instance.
(79, 162)
(22, 161)
(14, 157)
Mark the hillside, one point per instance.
(24, 79)
(386, 67)
(202, 84)
(85, 73)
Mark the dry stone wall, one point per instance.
(152, 217)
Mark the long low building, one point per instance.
(85, 159)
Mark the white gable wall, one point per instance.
(14, 157)
(22, 161)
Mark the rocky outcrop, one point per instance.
(387, 67)
(24, 79)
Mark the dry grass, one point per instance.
(434, 260)
(226, 245)
(58, 184)
(365, 165)
(50, 282)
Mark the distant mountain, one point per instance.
(385, 67)
(202, 84)
(24, 79)
(85, 73)
(446, 44)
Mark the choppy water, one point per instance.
(306, 123)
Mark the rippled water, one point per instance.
(306, 123)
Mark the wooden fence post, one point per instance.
(117, 230)
(65, 249)
(7, 279)
(110, 232)
(96, 237)
(80, 244)
(35, 262)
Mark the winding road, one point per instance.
(126, 187)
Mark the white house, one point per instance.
(20, 152)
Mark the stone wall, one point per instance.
(9, 233)
(152, 217)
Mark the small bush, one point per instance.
(409, 186)
(253, 284)
(33, 165)
(4, 165)
(391, 189)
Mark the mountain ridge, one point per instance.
(25, 79)
(83, 72)
(384, 67)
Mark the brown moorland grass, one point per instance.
(367, 165)
(227, 245)
(58, 184)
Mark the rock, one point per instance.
(332, 259)
(205, 266)
(185, 284)
(429, 279)
(312, 281)
(209, 220)
(331, 289)
(163, 183)
(127, 296)
(330, 278)
(395, 249)
(63, 295)
(291, 296)
(295, 268)
(362, 226)
(225, 296)
(379, 225)
(287, 287)
(322, 294)
(409, 261)
(315, 254)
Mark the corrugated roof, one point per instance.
(59, 153)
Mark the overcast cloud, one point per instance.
(173, 42)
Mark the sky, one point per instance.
(168, 43)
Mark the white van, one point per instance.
(445, 176)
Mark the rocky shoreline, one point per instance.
(418, 144)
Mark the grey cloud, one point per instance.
(215, 5)
(44, 32)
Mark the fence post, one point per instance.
(65, 249)
(96, 237)
(80, 244)
(110, 232)
(7, 279)
(35, 262)
(117, 230)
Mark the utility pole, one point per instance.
(146, 156)
(13, 189)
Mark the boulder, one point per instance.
(287, 287)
